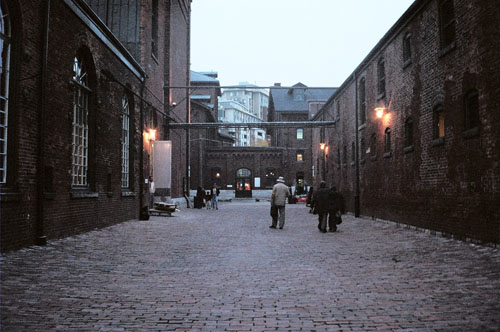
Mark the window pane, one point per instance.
(80, 125)
(4, 87)
(300, 133)
(472, 110)
(441, 124)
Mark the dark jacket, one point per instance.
(335, 202)
(321, 200)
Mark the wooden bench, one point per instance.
(161, 208)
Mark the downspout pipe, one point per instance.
(188, 108)
(143, 211)
(357, 194)
(40, 238)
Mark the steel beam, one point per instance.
(295, 124)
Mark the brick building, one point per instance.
(243, 169)
(82, 86)
(297, 103)
(417, 128)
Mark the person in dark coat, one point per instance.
(321, 203)
(199, 198)
(309, 199)
(336, 209)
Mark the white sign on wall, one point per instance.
(162, 164)
(257, 182)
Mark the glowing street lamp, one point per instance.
(152, 134)
(323, 147)
(379, 112)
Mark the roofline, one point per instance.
(388, 37)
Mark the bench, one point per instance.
(162, 208)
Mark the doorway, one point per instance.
(243, 183)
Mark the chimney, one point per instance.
(277, 84)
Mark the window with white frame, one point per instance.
(80, 124)
(4, 87)
(125, 142)
(300, 133)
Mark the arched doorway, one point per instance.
(300, 185)
(243, 183)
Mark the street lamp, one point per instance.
(379, 112)
(323, 147)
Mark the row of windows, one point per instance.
(80, 127)
(81, 104)
(471, 119)
(447, 39)
(5, 49)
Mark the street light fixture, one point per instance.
(379, 111)
(323, 147)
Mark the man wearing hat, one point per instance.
(278, 199)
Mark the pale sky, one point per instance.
(316, 42)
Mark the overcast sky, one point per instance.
(316, 42)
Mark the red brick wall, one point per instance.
(177, 53)
(453, 187)
(230, 159)
(65, 213)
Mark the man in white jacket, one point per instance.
(278, 200)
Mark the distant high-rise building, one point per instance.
(245, 104)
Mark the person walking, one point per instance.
(215, 197)
(321, 203)
(199, 198)
(278, 199)
(336, 209)
(152, 190)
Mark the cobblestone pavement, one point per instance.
(225, 270)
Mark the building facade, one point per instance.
(83, 97)
(417, 123)
(245, 104)
(243, 169)
(295, 104)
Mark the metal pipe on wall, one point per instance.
(357, 193)
(41, 239)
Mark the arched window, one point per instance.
(387, 140)
(217, 176)
(80, 142)
(300, 133)
(408, 132)
(438, 122)
(5, 49)
(125, 142)
(407, 49)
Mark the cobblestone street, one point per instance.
(225, 270)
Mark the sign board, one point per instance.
(162, 166)
(257, 182)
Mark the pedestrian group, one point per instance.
(327, 203)
(207, 198)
